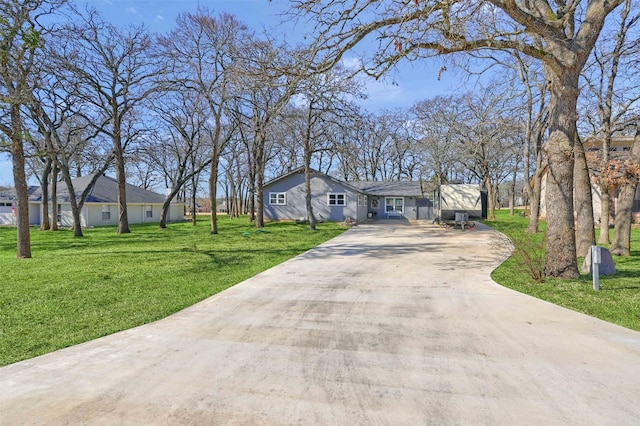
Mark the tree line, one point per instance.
(214, 104)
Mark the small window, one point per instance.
(336, 199)
(359, 199)
(278, 198)
(149, 212)
(106, 212)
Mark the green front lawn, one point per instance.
(77, 289)
(618, 300)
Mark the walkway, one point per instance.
(384, 325)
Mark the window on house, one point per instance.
(394, 204)
(359, 199)
(336, 199)
(149, 212)
(106, 212)
(278, 198)
(59, 214)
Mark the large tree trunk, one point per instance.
(165, 210)
(260, 199)
(512, 192)
(123, 219)
(604, 210)
(585, 237)
(534, 213)
(73, 200)
(260, 161)
(251, 196)
(20, 181)
(45, 225)
(54, 199)
(308, 195)
(536, 191)
(621, 244)
(213, 178)
(605, 214)
(491, 199)
(561, 261)
(194, 219)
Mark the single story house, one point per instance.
(101, 205)
(8, 205)
(335, 200)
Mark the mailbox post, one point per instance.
(596, 259)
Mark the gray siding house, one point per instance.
(336, 201)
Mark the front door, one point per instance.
(394, 206)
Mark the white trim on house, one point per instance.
(278, 198)
(336, 199)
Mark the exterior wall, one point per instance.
(7, 217)
(91, 214)
(295, 207)
(94, 214)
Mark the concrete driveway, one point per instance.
(384, 325)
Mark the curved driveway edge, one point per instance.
(384, 325)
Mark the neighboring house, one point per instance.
(618, 153)
(336, 201)
(101, 206)
(8, 205)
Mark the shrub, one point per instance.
(529, 253)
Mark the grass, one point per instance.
(77, 289)
(618, 300)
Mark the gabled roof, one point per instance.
(105, 190)
(9, 194)
(398, 188)
(300, 170)
(386, 188)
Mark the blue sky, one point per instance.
(415, 81)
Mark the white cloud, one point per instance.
(352, 62)
(131, 10)
(159, 18)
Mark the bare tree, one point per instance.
(204, 52)
(535, 93)
(182, 146)
(559, 36)
(327, 102)
(111, 72)
(21, 38)
(236, 176)
(435, 121)
(270, 76)
(621, 244)
(613, 93)
(488, 132)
